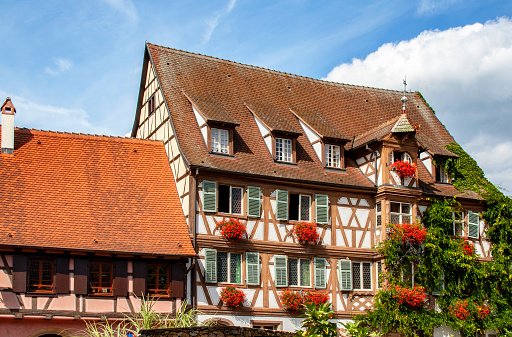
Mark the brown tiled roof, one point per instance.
(433, 147)
(273, 119)
(348, 110)
(315, 121)
(374, 134)
(210, 108)
(91, 193)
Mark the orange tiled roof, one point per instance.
(91, 193)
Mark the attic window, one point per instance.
(220, 140)
(442, 175)
(284, 151)
(332, 156)
(151, 105)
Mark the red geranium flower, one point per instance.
(232, 297)
(414, 297)
(232, 229)
(404, 168)
(306, 232)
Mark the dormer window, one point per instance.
(220, 140)
(332, 156)
(442, 175)
(284, 151)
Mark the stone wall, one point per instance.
(214, 331)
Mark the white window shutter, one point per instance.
(320, 272)
(473, 225)
(252, 263)
(281, 270)
(253, 201)
(210, 265)
(345, 267)
(281, 205)
(209, 196)
(322, 208)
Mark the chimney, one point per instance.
(8, 111)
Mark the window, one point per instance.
(322, 208)
(378, 214)
(284, 150)
(345, 270)
(40, 279)
(299, 272)
(281, 270)
(362, 275)
(458, 223)
(332, 156)
(151, 105)
(230, 199)
(220, 140)
(400, 212)
(158, 279)
(253, 201)
(267, 325)
(300, 206)
(252, 265)
(442, 175)
(320, 272)
(229, 268)
(473, 225)
(100, 278)
(408, 274)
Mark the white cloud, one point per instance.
(61, 66)
(124, 6)
(465, 75)
(435, 6)
(214, 21)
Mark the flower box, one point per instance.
(315, 296)
(232, 297)
(467, 248)
(414, 297)
(413, 233)
(482, 311)
(296, 299)
(306, 232)
(460, 309)
(404, 168)
(232, 230)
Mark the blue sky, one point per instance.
(76, 66)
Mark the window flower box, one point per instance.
(232, 297)
(232, 230)
(482, 311)
(404, 168)
(468, 248)
(306, 232)
(413, 297)
(412, 233)
(296, 299)
(460, 309)
(315, 296)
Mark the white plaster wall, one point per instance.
(312, 137)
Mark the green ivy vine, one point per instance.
(472, 295)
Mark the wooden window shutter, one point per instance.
(139, 278)
(253, 201)
(322, 208)
(209, 196)
(473, 225)
(320, 272)
(345, 267)
(281, 270)
(281, 205)
(121, 278)
(81, 276)
(210, 265)
(19, 270)
(252, 263)
(178, 274)
(61, 277)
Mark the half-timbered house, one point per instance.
(89, 224)
(272, 149)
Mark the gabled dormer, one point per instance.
(327, 142)
(434, 157)
(216, 124)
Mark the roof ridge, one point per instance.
(326, 82)
(86, 135)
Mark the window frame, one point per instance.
(230, 201)
(299, 270)
(361, 275)
(283, 149)
(378, 214)
(167, 292)
(299, 212)
(151, 105)
(441, 175)
(328, 147)
(401, 214)
(40, 272)
(228, 271)
(211, 131)
(100, 272)
(461, 222)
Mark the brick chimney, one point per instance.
(8, 112)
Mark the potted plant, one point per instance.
(232, 229)
(232, 296)
(306, 232)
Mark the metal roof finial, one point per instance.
(404, 98)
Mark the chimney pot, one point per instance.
(8, 111)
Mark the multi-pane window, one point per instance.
(299, 272)
(40, 277)
(401, 212)
(151, 105)
(408, 274)
(229, 267)
(284, 150)
(100, 278)
(230, 199)
(441, 175)
(332, 156)
(458, 223)
(378, 214)
(362, 275)
(300, 206)
(220, 140)
(158, 279)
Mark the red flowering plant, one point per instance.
(306, 232)
(232, 297)
(413, 233)
(467, 248)
(414, 297)
(291, 299)
(404, 168)
(315, 296)
(482, 311)
(460, 309)
(232, 229)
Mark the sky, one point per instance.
(76, 66)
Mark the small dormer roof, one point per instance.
(402, 125)
(272, 118)
(210, 108)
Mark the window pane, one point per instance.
(395, 207)
(395, 218)
(222, 267)
(293, 208)
(236, 268)
(305, 273)
(356, 275)
(215, 140)
(279, 149)
(236, 200)
(367, 275)
(406, 208)
(293, 274)
(305, 206)
(224, 141)
(288, 150)
(223, 198)
(406, 219)
(407, 274)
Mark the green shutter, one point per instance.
(473, 225)
(281, 205)
(320, 272)
(253, 201)
(322, 208)
(210, 265)
(209, 196)
(345, 267)
(281, 270)
(252, 263)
